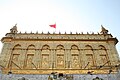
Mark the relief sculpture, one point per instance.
(45, 62)
(75, 62)
(29, 61)
(60, 61)
(14, 61)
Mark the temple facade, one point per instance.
(58, 56)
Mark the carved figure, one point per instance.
(29, 62)
(75, 62)
(60, 61)
(45, 62)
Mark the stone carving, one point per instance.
(44, 61)
(15, 61)
(75, 62)
(15, 58)
(29, 61)
(60, 61)
(60, 53)
(103, 59)
(90, 59)
(14, 29)
(103, 30)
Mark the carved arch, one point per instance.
(45, 59)
(88, 47)
(31, 47)
(29, 57)
(45, 47)
(103, 55)
(17, 46)
(16, 51)
(60, 57)
(89, 56)
(74, 47)
(101, 47)
(60, 46)
(75, 59)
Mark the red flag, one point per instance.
(54, 25)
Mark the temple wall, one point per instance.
(83, 49)
(34, 56)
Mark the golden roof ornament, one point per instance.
(103, 30)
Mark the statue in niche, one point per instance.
(103, 59)
(75, 62)
(60, 61)
(14, 29)
(90, 59)
(14, 61)
(15, 58)
(45, 62)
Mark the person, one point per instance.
(97, 78)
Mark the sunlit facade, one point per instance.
(51, 56)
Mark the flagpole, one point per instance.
(55, 30)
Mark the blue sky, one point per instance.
(69, 15)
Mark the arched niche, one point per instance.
(75, 57)
(45, 49)
(45, 52)
(29, 56)
(103, 55)
(16, 51)
(60, 61)
(89, 56)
